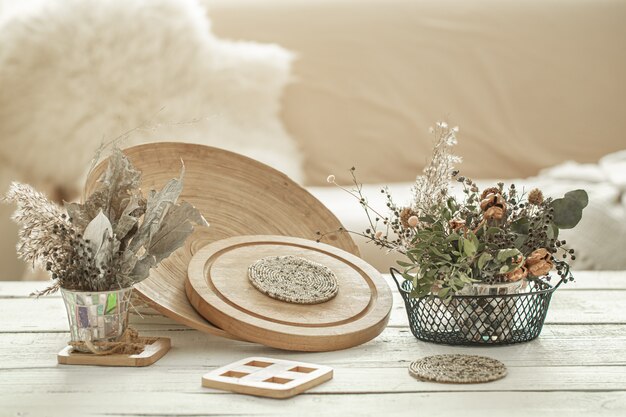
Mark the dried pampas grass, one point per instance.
(109, 242)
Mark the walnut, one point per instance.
(457, 224)
(494, 213)
(518, 274)
(492, 200)
(539, 262)
(487, 191)
(494, 206)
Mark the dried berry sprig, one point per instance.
(498, 235)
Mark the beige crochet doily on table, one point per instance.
(293, 279)
(457, 369)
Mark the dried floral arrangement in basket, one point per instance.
(500, 238)
(477, 267)
(97, 250)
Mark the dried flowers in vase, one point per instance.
(112, 239)
(97, 250)
(496, 235)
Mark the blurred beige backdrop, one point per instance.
(532, 84)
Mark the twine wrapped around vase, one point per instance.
(129, 344)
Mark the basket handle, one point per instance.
(393, 272)
(561, 281)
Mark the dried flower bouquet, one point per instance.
(109, 242)
(496, 235)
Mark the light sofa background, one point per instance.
(532, 84)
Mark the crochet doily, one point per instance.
(457, 369)
(293, 279)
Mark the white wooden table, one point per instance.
(577, 367)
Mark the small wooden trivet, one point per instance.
(266, 377)
(152, 353)
(457, 369)
(293, 279)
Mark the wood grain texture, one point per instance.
(576, 369)
(238, 196)
(152, 353)
(346, 380)
(173, 403)
(585, 280)
(558, 346)
(591, 304)
(267, 377)
(219, 289)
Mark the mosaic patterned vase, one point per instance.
(97, 316)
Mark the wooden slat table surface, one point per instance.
(577, 367)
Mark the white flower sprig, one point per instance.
(431, 188)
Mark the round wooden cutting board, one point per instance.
(237, 196)
(219, 289)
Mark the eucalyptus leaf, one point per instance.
(580, 196)
(452, 237)
(567, 212)
(465, 279)
(521, 226)
(469, 248)
(553, 231)
(441, 254)
(483, 259)
(427, 219)
(520, 240)
(407, 276)
(505, 254)
(474, 239)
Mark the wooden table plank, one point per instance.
(347, 380)
(468, 404)
(567, 307)
(557, 346)
(585, 280)
(576, 367)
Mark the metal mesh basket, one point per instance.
(477, 320)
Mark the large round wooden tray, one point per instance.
(238, 196)
(219, 289)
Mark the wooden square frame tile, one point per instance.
(267, 377)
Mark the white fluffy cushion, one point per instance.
(73, 72)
